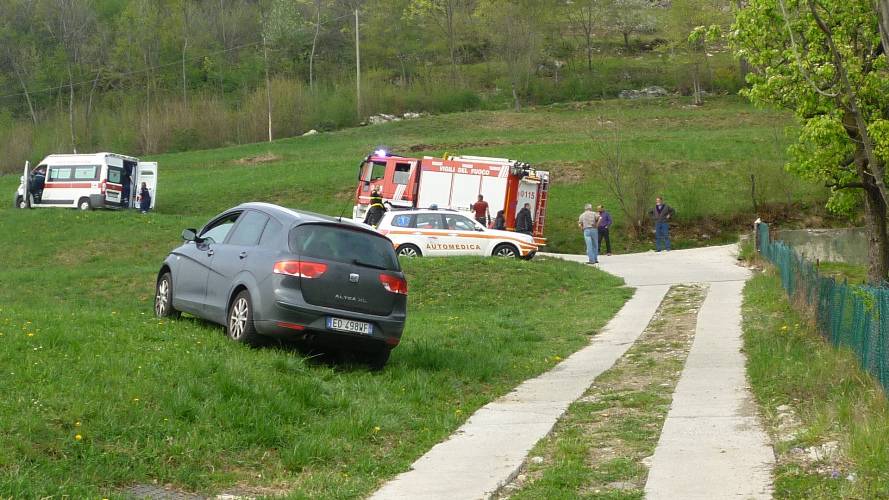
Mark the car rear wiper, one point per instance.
(359, 262)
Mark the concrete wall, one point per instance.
(835, 245)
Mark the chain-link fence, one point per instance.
(853, 316)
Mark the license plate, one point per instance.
(349, 325)
(113, 196)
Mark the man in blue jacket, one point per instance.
(661, 214)
(604, 224)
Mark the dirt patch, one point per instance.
(455, 147)
(568, 172)
(610, 433)
(252, 161)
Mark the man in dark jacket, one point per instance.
(500, 221)
(604, 224)
(661, 214)
(523, 221)
(376, 210)
(144, 199)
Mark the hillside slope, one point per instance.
(701, 159)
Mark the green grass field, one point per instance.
(702, 159)
(99, 395)
(174, 402)
(793, 371)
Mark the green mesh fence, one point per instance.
(852, 316)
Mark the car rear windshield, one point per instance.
(337, 243)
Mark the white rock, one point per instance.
(536, 460)
(311, 132)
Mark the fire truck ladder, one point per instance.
(541, 205)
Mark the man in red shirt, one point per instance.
(482, 213)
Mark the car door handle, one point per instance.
(433, 237)
(242, 255)
(210, 253)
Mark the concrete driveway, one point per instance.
(712, 444)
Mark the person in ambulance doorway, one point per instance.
(38, 181)
(523, 221)
(144, 199)
(482, 212)
(376, 210)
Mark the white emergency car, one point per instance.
(86, 181)
(445, 232)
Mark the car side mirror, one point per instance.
(479, 228)
(189, 235)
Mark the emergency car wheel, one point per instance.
(84, 204)
(505, 250)
(163, 298)
(408, 250)
(239, 326)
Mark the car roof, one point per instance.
(294, 217)
(411, 211)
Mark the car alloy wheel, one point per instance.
(505, 251)
(162, 298)
(408, 251)
(237, 321)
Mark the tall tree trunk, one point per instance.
(268, 84)
(184, 85)
(185, 27)
(878, 239)
(314, 45)
(515, 98)
(452, 49)
(89, 105)
(883, 10)
(27, 94)
(71, 109)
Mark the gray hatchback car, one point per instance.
(267, 271)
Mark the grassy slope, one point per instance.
(176, 402)
(703, 159)
(790, 364)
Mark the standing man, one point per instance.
(482, 212)
(588, 223)
(523, 221)
(604, 224)
(144, 199)
(376, 210)
(662, 214)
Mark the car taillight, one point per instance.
(102, 186)
(300, 269)
(394, 284)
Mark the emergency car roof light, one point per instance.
(380, 152)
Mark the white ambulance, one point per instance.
(86, 181)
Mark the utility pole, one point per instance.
(357, 68)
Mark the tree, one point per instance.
(823, 59)
(446, 16)
(517, 27)
(584, 16)
(628, 17)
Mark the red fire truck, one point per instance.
(454, 182)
